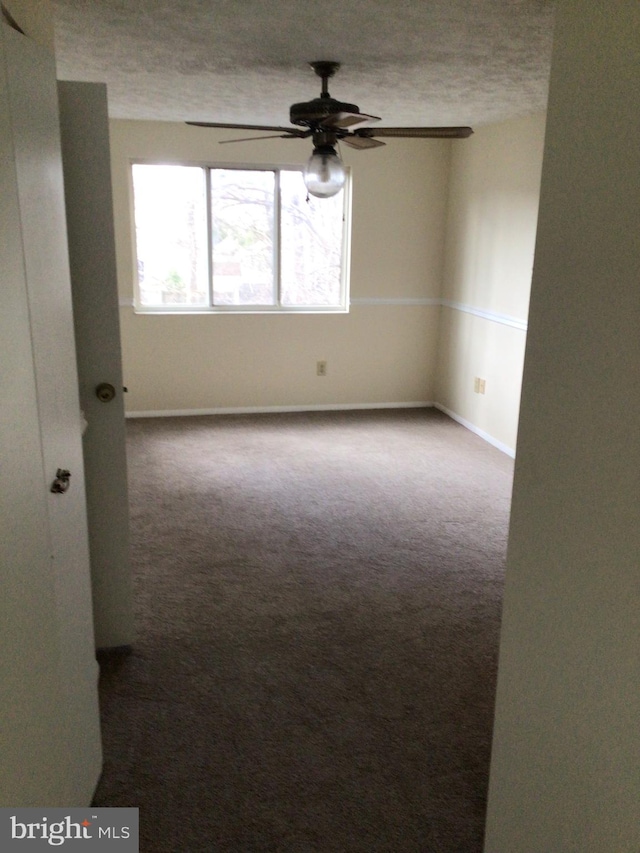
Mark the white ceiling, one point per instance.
(412, 62)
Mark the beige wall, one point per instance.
(406, 203)
(491, 228)
(564, 773)
(383, 351)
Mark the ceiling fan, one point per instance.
(329, 121)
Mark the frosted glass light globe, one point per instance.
(324, 174)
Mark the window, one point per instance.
(237, 239)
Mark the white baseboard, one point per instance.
(480, 432)
(259, 410)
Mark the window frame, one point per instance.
(277, 307)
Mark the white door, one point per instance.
(84, 127)
(50, 738)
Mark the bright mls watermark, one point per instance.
(70, 829)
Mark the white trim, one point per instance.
(260, 410)
(480, 432)
(398, 300)
(127, 302)
(504, 319)
(220, 310)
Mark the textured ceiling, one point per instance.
(413, 62)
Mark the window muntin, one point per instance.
(236, 239)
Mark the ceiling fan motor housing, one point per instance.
(311, 113)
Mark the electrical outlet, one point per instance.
(476, 385)
(321, 368)
(482, 386)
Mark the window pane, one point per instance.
(171, 235)
(311, 241)
(242, 230)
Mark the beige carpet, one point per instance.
(318, 602)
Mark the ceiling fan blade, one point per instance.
(417, 132)
(290, 131)
(361, 142)
(348, 120)
(271, 136)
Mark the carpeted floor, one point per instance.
(318, 603)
